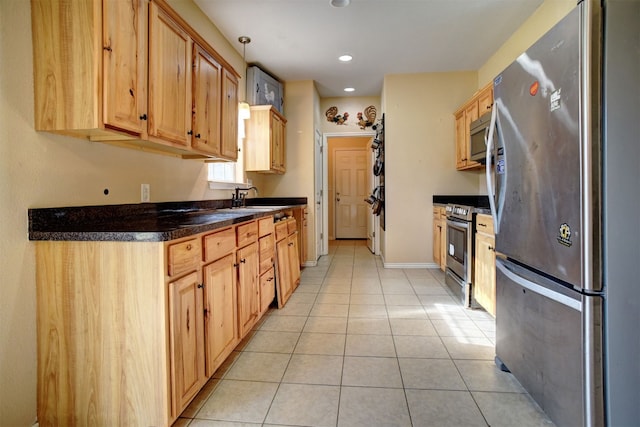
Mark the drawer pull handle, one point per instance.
(482, 225)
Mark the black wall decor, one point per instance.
(376, 199)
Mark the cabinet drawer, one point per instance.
(291, 225)
(484, 224)
(266, 248)
(281, 230)
(247, 233)
(267, 289)
(183, 257)
(265, 226)
(218, 244)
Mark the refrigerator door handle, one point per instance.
(488, 142)
(541, 290)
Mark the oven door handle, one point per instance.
(459, 224)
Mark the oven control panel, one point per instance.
(459, 211)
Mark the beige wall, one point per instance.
(44, 170)
(545, 17)
(420, 158)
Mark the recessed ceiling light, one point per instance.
(340, 3)
(349, 89)
(345, 58)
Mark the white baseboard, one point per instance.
(310, 263)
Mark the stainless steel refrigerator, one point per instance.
(562, 172)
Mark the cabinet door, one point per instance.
(461, 137)
(284, 271)
(277, 143)
(169, 79)
(186, 340)
(125, 67)
(229, 137)
(248, 288)
(470, 114)
(207, 103)
(485, 100)
(437, 236)
(294, 260)
(485, 273)
(220, 310)
(267, 289)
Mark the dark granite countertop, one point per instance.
(148, 222)
(481, 202)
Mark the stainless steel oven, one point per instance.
(460, 243)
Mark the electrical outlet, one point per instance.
(145, 193)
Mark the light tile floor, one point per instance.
(360, 345)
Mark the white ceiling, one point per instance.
(302, 39)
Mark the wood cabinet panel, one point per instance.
(265, 226)
(100, 315)
(267, 251)
(229, 135)
(125, 66)
(186, 339)
(267, 289)
(248, 288)
(220, 310)
(219, 244)
(484, 290)
(183, 257)
(207, 102)
(480, 103)
(169, 79)
(265, 140)
(247, 233)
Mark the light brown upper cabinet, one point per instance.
(479, 104)
(138, 77)
(229, 141)
(169, 80)
(265, 140)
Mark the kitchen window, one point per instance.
(223, 175)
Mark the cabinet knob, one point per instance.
(143, 117)
(200, 285)
(190, 132)
(189, 247)
(243, 260)
(491, 248)
(235, 265)
(198, 135)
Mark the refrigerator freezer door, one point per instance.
(538, 160)
(539, 339)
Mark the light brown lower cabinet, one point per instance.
(248, 288)
(439, 237)
(485, 265)
(220, 311)
(186, 328)
(288, 259)
(129, 332)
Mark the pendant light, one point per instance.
(244, 112)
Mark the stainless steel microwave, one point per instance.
(479, 132)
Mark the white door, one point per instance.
(351, 190)
(319, 152)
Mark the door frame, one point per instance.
(325, 186)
